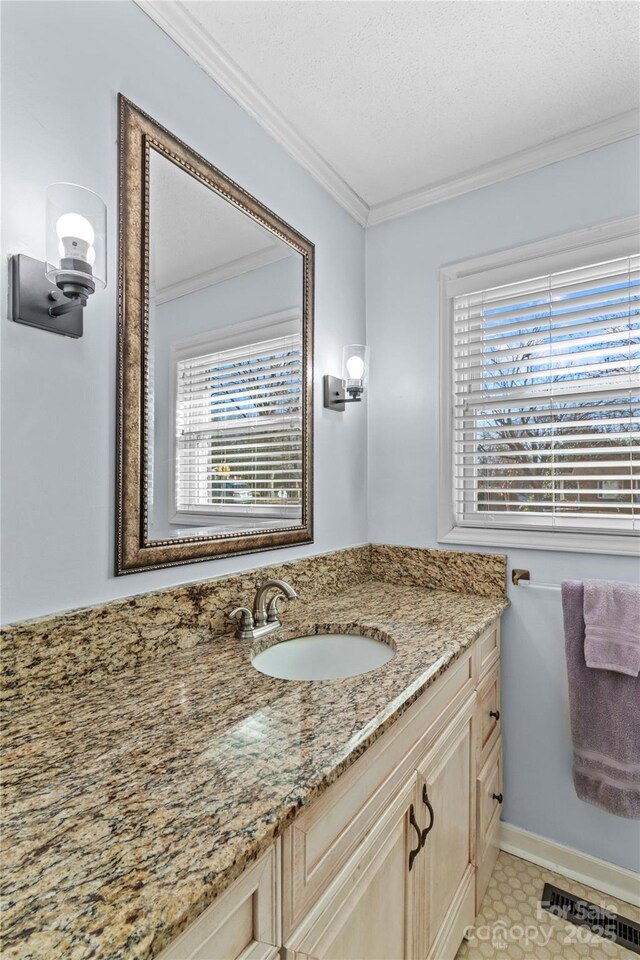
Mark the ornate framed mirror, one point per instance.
(215, 361)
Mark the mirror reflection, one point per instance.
(225, 373)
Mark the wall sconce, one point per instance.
(355, 365)
(52, 295)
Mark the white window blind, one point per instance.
(546, 405)
(239, 430)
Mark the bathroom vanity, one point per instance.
(394, 857)
(163, 798)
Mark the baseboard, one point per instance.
(607, 877)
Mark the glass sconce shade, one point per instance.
(355, 368)
(76, 236)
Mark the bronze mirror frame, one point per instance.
(138, 134)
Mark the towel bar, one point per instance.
(521, 577)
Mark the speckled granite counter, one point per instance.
(130, 804)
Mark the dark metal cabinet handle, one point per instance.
(494, 713)
(497, 796)
(427, 803)
(414, 823)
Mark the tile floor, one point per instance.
(510, 925)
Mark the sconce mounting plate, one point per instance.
(32, 295)
(334, 393)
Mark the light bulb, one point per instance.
(355, 367)
(90, 255)
(75, 225)
(76, 237)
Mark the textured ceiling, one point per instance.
(398, 96)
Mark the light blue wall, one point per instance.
(403, 259)
(63, 64)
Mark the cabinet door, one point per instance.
(368, 911)
(446, 781)
(242, 924)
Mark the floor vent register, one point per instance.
(604, 923)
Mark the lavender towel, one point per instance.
(605, 721)
(612, 626)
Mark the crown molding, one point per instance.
(181, 26)
(620, 127)
(227, 271)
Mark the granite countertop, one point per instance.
(130, 804)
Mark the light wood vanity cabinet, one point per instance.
(392, 861)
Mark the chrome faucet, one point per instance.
(264, 618)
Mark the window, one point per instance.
(545, 401)
(238, 427)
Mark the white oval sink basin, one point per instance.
(323, 656)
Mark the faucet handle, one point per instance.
(245, 626)
(243, 614)
(272, 608)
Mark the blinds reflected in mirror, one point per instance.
(239, 430)
(546, 402)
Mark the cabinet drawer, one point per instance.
(488, 646)
(488, 714)
(325, 835)
(242, 924)
(489, 786)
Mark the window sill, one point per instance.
(606, 544)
